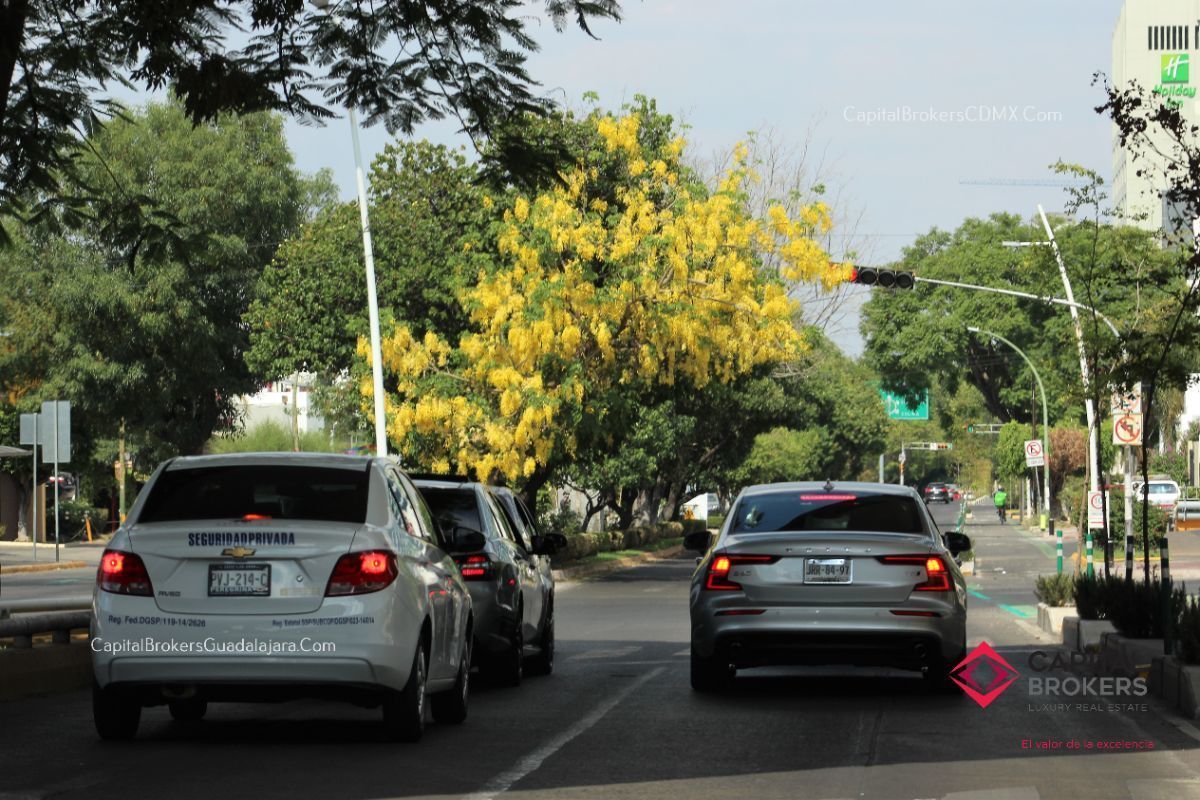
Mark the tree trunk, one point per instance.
(12, 31)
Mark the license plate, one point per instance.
(826, 570)
(239, 580)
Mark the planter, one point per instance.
(1050, 618)
(1178, 684)
(1083, 635)
(1129, 656)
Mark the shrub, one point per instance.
(1187, 631)
(1055, 590)
(1088, 597)
(716, 520)
(1134, 608)
(564, 521)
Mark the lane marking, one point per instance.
(977, 593)
(530, 763)
(612, 652)
(1015, 610)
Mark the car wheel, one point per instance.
(711, 674)
(404, 711)
(543, 662)
(451, 706)
(188, 710)
(116, 713)
(508, 667)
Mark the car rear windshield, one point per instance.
(1163, 488)
(258, 491)
(452, 507)
(801, 510)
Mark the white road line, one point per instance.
(530, 763)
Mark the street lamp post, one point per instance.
(1045, 420)
(372, 296)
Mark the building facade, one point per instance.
(1152, 44)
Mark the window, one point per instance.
(258, 491)
(502, 523)
(423, 513)
(814, 510)
(454, 507)
(403, 507)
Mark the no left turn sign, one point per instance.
(1035, 453)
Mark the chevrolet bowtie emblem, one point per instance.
(238, 552)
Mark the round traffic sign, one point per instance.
(1033, 448)
(1128, 429)
(1096, 500)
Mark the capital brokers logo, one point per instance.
(984, 674)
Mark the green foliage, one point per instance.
(271, 437)
(1187, 632)
(1135, 608)
(428, 221)
(1170, 463)
(1055, 590)
(129, 315)
(1010, 451)
(465, 60)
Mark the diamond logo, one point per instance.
(984, 675)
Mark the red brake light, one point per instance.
(123, 573)
(937, 577)
(476, 567)
(717, 578)
(362, 573)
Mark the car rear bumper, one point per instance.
(817, 636)
(135, 644)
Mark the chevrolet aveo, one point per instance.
(811, 574)
(266, 577)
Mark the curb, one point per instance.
(20, 568)
(601, 569)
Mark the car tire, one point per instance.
(116, 713)
(711, 674)
(404, 711)
(543, 662)
(508, 667)
(451, 706)
(188, 710)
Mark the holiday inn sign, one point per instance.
(1174, 78)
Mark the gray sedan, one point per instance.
(811, 573)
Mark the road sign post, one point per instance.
(29, 435)
(56, 428)
(1091, 570)
(1059, 551)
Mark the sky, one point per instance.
(901, 102)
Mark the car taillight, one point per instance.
(477, 567)
(123, 573)
(937, 576)
(717, 578)
(362, 573)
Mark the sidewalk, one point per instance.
(18, 557)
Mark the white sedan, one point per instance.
(265, 577)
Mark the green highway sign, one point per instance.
(897, 408)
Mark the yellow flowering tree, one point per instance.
(625, 277)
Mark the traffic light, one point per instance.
(883, 278)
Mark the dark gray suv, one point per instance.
(512, 592)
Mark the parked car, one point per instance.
(937, 493)
(509, 593)
(810, 573)
(540, 546)
(703, 506)
(277, 575)
(1164, 493)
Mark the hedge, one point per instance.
(582, 545)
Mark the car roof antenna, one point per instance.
(828, 485)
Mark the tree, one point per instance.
(622, 279)
(398, 63)
(135, 326)
(427, 220)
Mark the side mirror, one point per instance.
(697, 541)
(957, 542)
(548, 544)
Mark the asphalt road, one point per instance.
(618, 720)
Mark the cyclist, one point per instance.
(1001, 499)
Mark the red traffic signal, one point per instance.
(883, 278)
